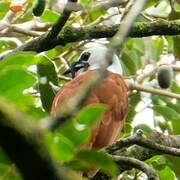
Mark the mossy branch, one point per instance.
(70, 34)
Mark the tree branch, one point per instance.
(138, 139)
(138, 87)
(121, 148)
(139, 29)
(24, 144)
(135, 163)
(70, 34)
(108, 4)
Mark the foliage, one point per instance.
(30, 82)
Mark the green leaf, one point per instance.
(176, 44)
(50, 16)
(3, 158)
(61, 147)
(169, 103)
(77, 133)
(175, 88)
(151, 3)
(174, 15)
(94, 158)
(170, 40)
(158, 162)
(91, 114)
(176, 125)
(21, 59)
(167, 173)
(9, 172)
(85, 2)
(126, 131)
(6, 44)
(47, 77)
(97, 13)
(167, 112)
(177, 5)
(161, 164)
(157, 49)
(79, 130)
(133, 59)
(128, 61)
(14, 80)
(174, 164)
(4, 7)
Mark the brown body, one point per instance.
(113, 92)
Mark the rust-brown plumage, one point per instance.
(113, 92)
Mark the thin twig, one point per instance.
(119, 38)
(145, 75)
(6, 20)
(176, 67)
(138, 87)
(65, 78)
(25, 32)
(101, 19)
(108, 4)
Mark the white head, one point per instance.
(97, 56)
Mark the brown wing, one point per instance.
(115, 95)
(113, 92)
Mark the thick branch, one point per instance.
(69, 34)
(24, 145)
(139, 29)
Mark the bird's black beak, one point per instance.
(75, 67)
(81, 64)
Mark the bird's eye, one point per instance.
(85, 56)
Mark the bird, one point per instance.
(112, 91)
